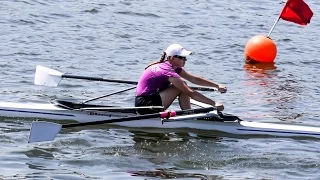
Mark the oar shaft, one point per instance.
(96, 79)
(139, 117)
(122, 81)
(92, 99)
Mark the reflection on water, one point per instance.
(274, 88)
(255, 67)
(259, 80)
(259, 73)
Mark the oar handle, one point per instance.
(203, 88)
(122, 81)
(165, 114)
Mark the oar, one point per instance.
(117, 109)
(47, 131)
(117, 92)
(49, 77)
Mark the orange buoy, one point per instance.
(260, 49)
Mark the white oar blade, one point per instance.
(47, 77)
(43, 131)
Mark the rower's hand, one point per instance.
(219, 106)
(222, 89)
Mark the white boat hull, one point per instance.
(53, 112)
(233, 127)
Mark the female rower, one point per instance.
(161, 83)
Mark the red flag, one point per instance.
(296, 11)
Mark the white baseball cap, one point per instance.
(177, 50)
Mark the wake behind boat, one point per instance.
(205, 118)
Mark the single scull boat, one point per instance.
(213, 121)
(87, 114)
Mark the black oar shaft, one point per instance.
(121, 81)
(96, 79)
(139, 117)
(92, 99)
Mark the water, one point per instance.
(116, 40)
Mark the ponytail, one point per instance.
(163, 57)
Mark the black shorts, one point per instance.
(152, 100)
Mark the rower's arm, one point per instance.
(184, 88)
(202, 81)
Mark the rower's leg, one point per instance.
(168, 96)
(184, 101)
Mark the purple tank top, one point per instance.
(155, 78)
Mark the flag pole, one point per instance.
(274, 25)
